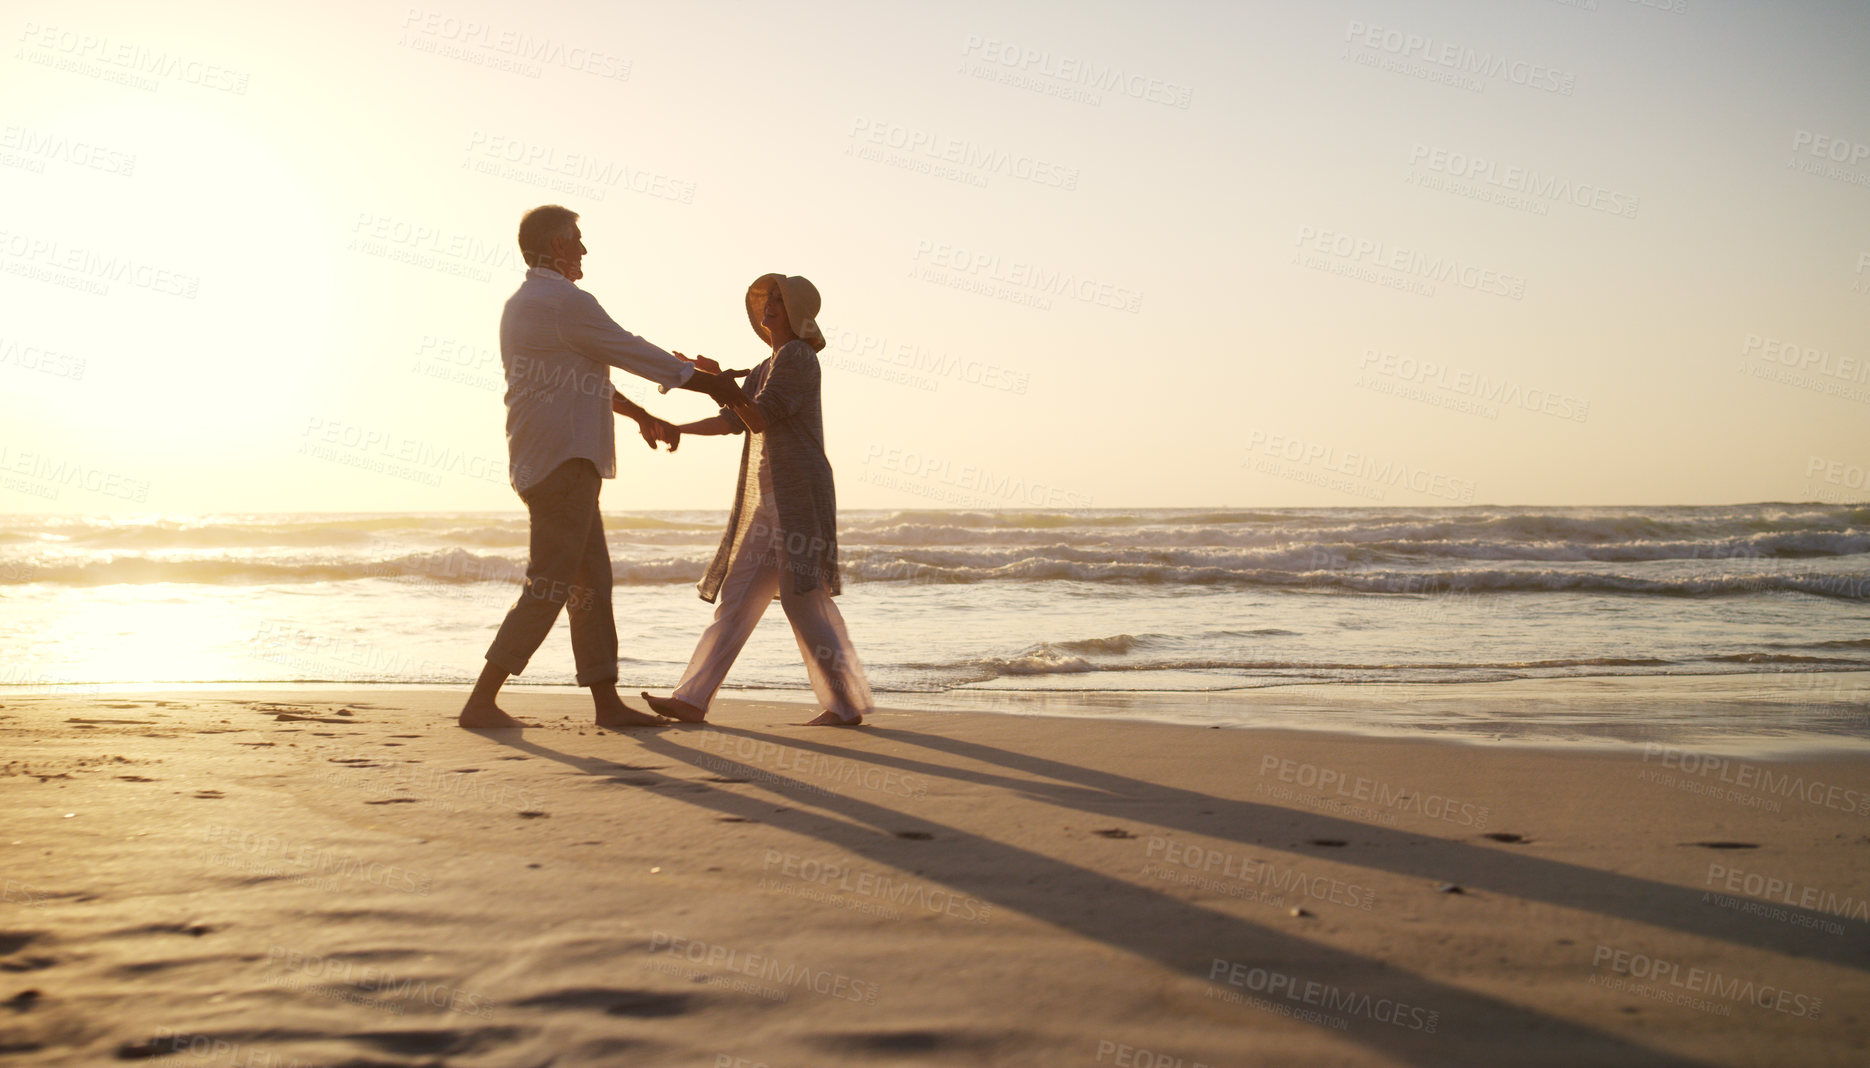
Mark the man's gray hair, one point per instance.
(539, 227)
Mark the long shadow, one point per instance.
(1501, 869)
(1471, 1028)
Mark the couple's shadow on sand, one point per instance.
(1185, 937)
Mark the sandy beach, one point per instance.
(328, 877)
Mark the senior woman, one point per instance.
(782, 533)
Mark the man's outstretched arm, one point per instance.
(591, 332)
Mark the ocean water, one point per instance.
(1162, 605)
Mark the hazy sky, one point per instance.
(1247, 254)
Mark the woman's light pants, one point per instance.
(754, 576)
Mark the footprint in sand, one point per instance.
(12, 942)
(897, 1042)
(209, 795)
(136, 778)
(641, 1004)
(194, 930)
(393, 801)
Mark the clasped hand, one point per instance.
(658, 430)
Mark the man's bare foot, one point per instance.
(624, 716)
(614, 714)
(832, 719)
(479, 716)
(670, 707)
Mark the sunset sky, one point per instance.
(1204, 254)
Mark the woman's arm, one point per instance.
(720, 424)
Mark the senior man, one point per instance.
(558, 346)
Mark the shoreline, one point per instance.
(1788, 713)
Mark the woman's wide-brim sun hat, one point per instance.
(800, 298)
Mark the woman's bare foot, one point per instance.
(670, 707)
(477, 716)
(832, 719)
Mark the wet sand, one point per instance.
(333, 877)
